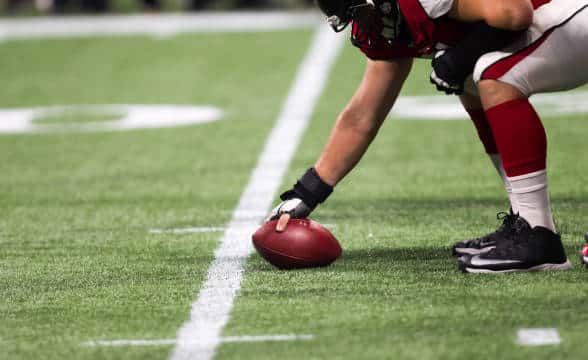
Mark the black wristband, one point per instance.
(310, 188)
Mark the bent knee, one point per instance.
(495, 92)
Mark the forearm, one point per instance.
(502, 14)
(353, 132)
(358, 124)
(348, 142)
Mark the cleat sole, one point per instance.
(542, 267)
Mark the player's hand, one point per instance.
(293, 208)
(447, 75)
(298, 202)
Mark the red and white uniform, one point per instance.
(429, 28)
(551, 55)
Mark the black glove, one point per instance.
(447, 75)
(452, 66)
(309, 191)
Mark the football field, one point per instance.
(132, 168)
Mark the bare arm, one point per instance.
(359, 122)
(503, 14)
(353, 132)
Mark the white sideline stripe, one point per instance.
(232, 339)
(155, 24)
(225, 339)
(201, 334)
(538, 336)
(204, 229)
(191, 230)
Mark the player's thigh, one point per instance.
(555, 60)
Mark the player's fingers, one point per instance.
(282, 222)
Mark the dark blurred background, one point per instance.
(61, 7)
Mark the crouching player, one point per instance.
(391, 34)
(552, 55)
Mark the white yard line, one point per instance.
(258, 338)
(154, 24)
(538, 336)
(190, 230)
(441, 107)
(201, 334)
(134, 342)
(225, 339)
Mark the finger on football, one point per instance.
(282, 222)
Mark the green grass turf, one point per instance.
(396, 292)
(77, 264)
(76, 260)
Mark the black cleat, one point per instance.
(584, 251)
(527, 249)
(487, 242)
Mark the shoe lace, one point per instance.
(508, 219)
(516, 239)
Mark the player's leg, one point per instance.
(521, 142)
(473, 106)
(555, 60)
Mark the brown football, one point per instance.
(303, 244)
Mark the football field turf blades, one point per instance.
(78, 262)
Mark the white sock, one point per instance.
(507, 186)
(530, 194)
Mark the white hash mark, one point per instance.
(538, 336)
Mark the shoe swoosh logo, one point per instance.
(478, 261)
(486, 243)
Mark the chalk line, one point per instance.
(203, 229)
(538, 336)
(442, 107)
(157, 25)
(201, 334)
(190, 230)
(224, 339)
